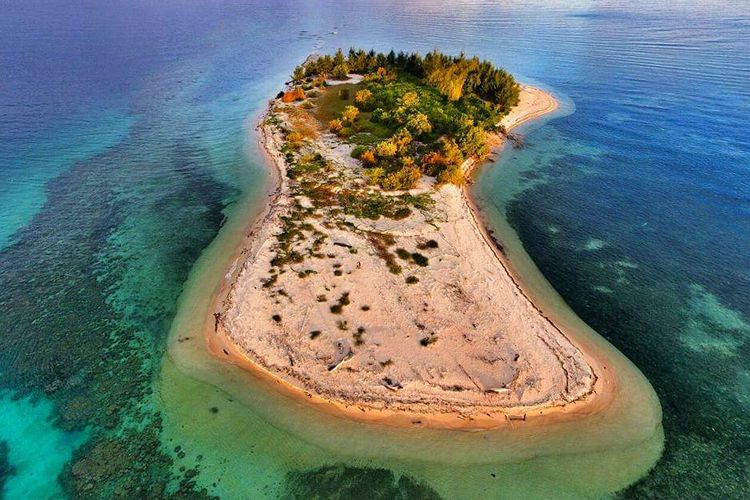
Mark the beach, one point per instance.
(472, 351)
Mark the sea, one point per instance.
(129, 166)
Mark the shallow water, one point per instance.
(124, 145)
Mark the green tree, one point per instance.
(298, 75)
(473, 142)
(340, 71)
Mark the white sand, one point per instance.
(492, 352)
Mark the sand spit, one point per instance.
(451, 341)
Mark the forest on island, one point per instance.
(410, 115)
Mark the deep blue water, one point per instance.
(124, 144)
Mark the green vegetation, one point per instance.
(414, 115)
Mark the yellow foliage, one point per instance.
(349, 114)
(335, 125)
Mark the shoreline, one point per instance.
(600, 395)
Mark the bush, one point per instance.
(386, 149)
(403, 254)
(363, 99)
(419, 124)
(420, 259)
(349, 114)
(358, 151)
(410, 280)
(409, 99)
(405, 178)
(298, 75)
(297, 94)
(451, 175)
(375, 175)
(368, 158)
(335, 126)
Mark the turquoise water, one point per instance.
(126, 141)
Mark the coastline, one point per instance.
(596, 399)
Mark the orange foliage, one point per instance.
(368, 158)
(293, 95)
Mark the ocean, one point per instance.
(128, 162)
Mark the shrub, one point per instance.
(451, 151)
(427, 244)
(368, 158)
(420, 259)
(294, 137)
(419, 124)
(403, 254)
(386, 149)
(335, 125)
(296, 94)
(276, 318)
(451, 175)
(409, 99)
(362, 99)
(410, 280)
(298, 75)
(425, 341)
(358, 151)
(405, 178)
(375, 175)
(349, 114)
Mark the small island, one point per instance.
(368, 284)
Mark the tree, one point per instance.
(451, 151)
(340, 71)
(474, 142)
(298, 75)
(451, 175)
(349, 114)
(338, 58)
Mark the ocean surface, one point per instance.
(127, 144)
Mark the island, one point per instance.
(369, 285)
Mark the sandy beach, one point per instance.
(461, 346)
